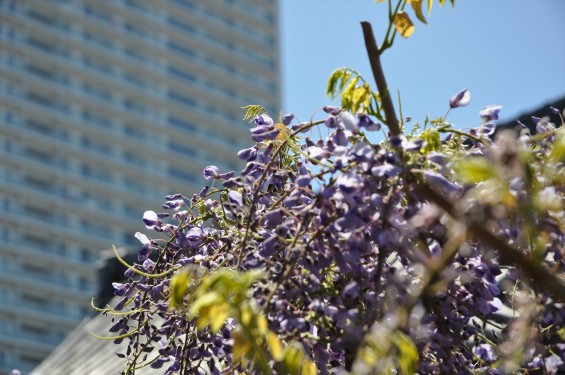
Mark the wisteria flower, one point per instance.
(485, 352)
(490, 112)
(211, 172)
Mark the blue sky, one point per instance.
(507, 52)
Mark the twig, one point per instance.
(375, 60)
(535, 270)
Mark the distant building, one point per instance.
(105, 107)
(541, 112)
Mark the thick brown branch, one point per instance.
(542, 277)
(375, 60)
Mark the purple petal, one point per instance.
(248, 154)
(348, 121)
(286, 119)
(274, 218)
(150, 219)
(385, 170)
(332, 110)
(142, 238)
(438, 158)
(263, 120)
(235, 197)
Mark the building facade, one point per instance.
(105, 107)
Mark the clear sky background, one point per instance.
(507, 52)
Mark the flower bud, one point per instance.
(461, 99)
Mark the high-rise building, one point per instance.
(105, 107)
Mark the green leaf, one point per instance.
(475, 170)
(442, 2)
(334, 77)
(417, 6)
(403, 24)
(253, 111)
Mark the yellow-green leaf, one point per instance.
(403, 24)
(360, 97)
(557, 154)
(275, 346)
(204, 301)
(430, 3)
(262, 325)
(309, 368)
(475, 170)
(407, 353)
(292, 359)
(214, 315)
(350, 86)
(178, 284)
(432, 139)
(442, 2)
(240, 345)
(417, 6)
(246, 315)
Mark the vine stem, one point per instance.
(259, 183)
(378, 74)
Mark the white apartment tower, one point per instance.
(105, 107)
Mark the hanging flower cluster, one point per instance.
(341, 253)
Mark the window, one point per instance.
(40, 71)
(35, 300)
(181, 49)
(43, 45)
(40, 155)
(135, 133)
(41, 100)
(181, 25)
(39, 127)
(180, 98)
(183, 149)
(36, 182)
(96, 118)
(182, 74)
(183, 124)
(181, 174)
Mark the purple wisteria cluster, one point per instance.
(429, 253)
